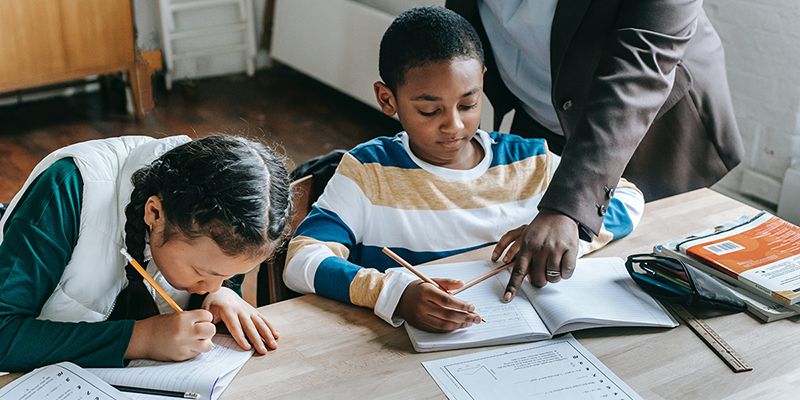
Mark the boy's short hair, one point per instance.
(425, 35)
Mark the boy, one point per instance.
(439, 188)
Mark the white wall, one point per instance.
(762, 48)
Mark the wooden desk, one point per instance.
(333, 350)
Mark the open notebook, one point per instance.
(600, 293)
(207, 374)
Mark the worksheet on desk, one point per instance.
(62, 381)
(555, 369)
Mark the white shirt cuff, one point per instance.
(390, 296)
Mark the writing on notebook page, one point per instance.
(207, 374)
(600, 293)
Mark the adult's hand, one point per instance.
(548, 248)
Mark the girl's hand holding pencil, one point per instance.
(169, 337)
(244, 323)
(172, 337)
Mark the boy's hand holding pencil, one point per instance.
(428, 305)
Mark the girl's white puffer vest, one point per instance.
(95, 274)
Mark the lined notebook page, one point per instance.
(207, 374)
(507, 322)
(599, 293)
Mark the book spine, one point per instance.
(775, 295)
(764, 290)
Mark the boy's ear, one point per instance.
(386, 99)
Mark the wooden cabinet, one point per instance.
(44, 42)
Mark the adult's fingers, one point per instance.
(503, 243)
(568, 264)
(512, 252)
(508, 240)
(517, 275)
(552, 270)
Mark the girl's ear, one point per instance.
(386, 99)
(154, 213)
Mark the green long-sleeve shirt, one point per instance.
(37, 245)
(38, 240)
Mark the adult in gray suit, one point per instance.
(631, 88)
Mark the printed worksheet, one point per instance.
(549, 370)
(62, 381)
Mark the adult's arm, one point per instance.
(631, 83)
(37, 244)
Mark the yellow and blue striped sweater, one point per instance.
(383, 195)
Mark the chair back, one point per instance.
(271, 287)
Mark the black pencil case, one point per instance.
(657, 275)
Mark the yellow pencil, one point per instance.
(151, 281)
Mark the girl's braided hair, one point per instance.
(227, 188)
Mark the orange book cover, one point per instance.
(764, 253)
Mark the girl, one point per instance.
(193, 213)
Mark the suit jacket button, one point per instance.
(567, 105)
(601, 210)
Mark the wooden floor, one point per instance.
(279, 106)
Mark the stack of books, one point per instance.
(758, 258)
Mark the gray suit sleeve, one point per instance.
(631, 82)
